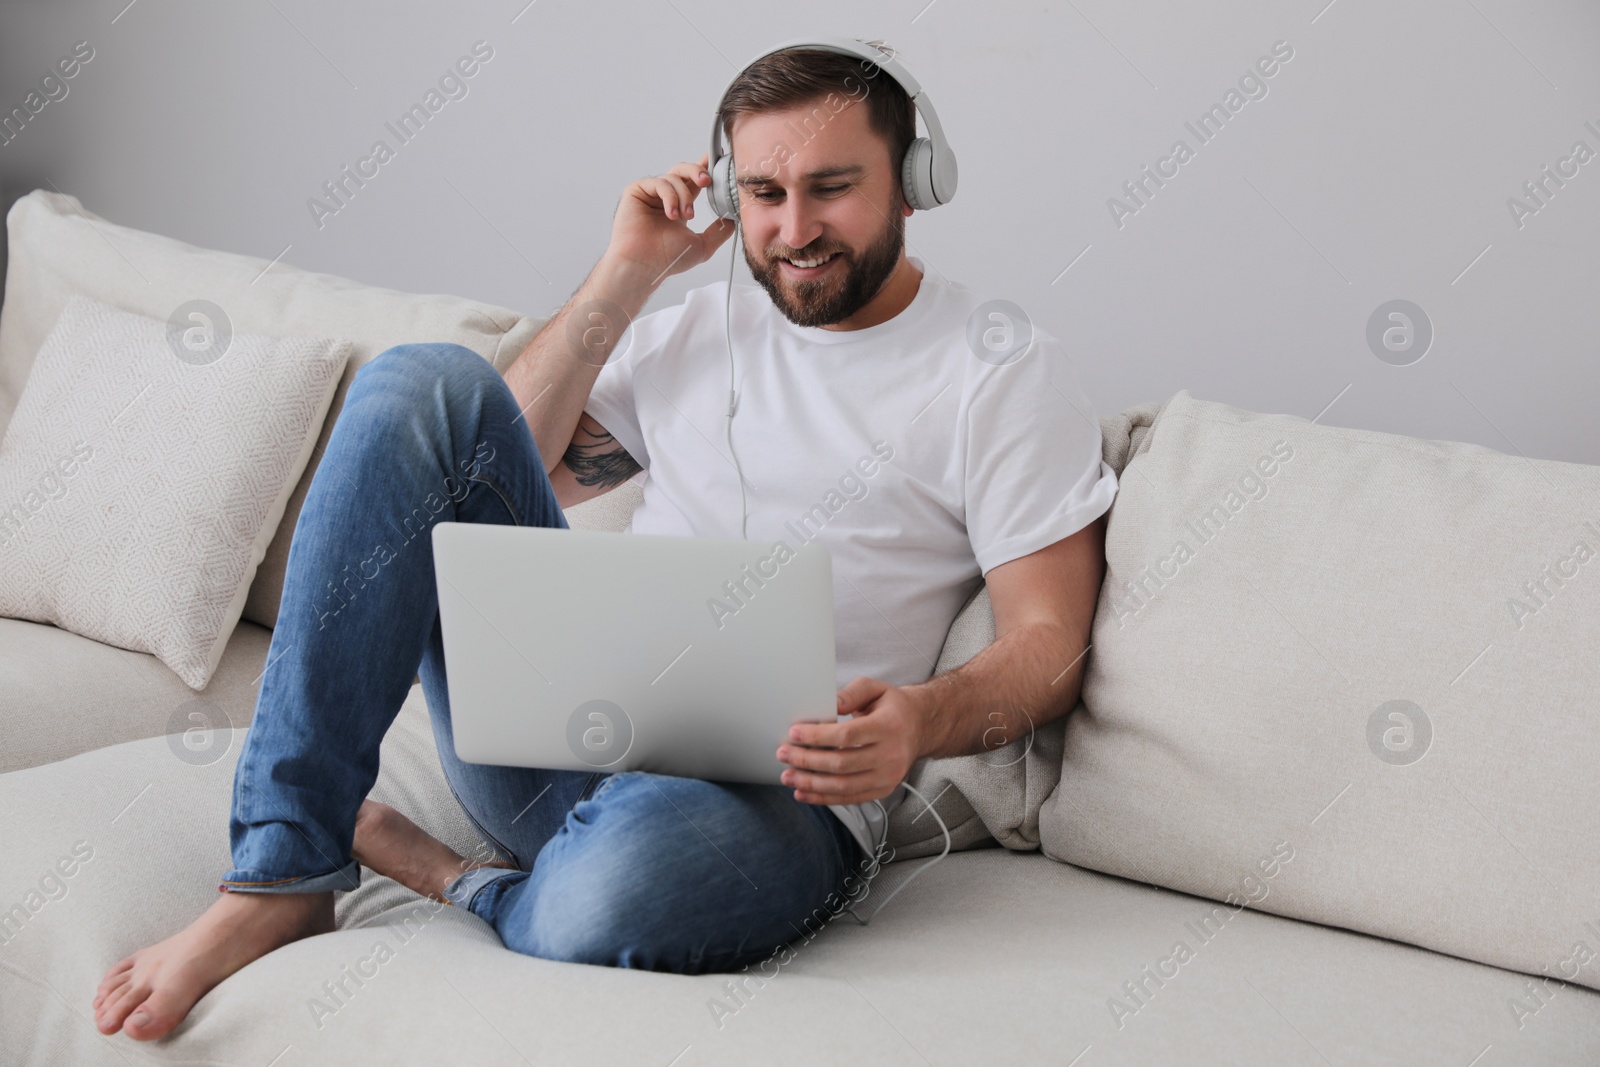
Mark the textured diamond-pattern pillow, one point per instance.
(141, 481)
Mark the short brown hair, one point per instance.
(800, 75)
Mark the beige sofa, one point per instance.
(1217, 858)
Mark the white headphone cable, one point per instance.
(727, 333)
(915, 874)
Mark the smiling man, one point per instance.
(856, 365)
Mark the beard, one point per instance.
(844, 290)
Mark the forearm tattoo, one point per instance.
(603, 463)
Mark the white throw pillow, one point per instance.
(143, 475)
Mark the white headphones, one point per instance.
(927, 171)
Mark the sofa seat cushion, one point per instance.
(62, 694)
(990, 957)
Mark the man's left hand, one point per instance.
(860, 758)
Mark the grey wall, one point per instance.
(1378, 165)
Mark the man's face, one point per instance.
(852, 211)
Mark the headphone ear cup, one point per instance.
(916, 175)
(722, 194)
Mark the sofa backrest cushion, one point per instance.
(58, 248)
(1350, 677)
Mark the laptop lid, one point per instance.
(591, 650)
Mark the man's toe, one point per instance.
(118, 1003)
(109, 993)
(156, 1015)
(115, 977)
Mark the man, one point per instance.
(865, 421)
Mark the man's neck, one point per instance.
(895, 296)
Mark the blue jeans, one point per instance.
(629, 869)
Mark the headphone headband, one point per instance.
(927, 172)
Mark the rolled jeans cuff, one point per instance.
(465, 889)
(344, 879)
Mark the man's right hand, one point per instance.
(651, 230)
(650, 239)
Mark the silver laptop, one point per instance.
(587, 650)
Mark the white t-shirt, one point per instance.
(917, 465)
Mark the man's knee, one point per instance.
(412, 371)
(428, 361)
(433, 351)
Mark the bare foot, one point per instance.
(150, 992)
(393, 845)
